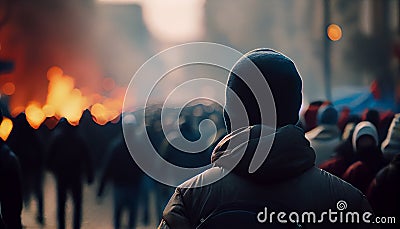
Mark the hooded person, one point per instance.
(309, 116)
(286, 179)
(365, 144)
(391, 145)
(372, 116)
(344, 154)
(326, 136)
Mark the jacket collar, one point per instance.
(289, 156)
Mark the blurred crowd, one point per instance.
(91, 153)
(363, 149)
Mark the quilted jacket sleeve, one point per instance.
(174, 215)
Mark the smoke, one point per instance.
(96, 45)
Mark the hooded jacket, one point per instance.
(287, 178)
(362, 172)
(326, 136)
(324, 139)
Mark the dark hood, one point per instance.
(290, 154)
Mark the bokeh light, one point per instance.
(99, 113)
(5, 128)
(8, 88)
(34, 115)
(334, 32)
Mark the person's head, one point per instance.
(372, 116)
(309, 116)
(327, 115)
(365, 138)
(64, 126)
(284, 82)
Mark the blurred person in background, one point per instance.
(352, 118)
(125, 175)
(27, 146)
(309, 116)
(372, 116)
(344, 154)
(391, 145)
(10, 187)
(384, 192)
(69, 159)
(370, 160)
(343, 120)
(384, 125)
(287, 177)
(326, 136)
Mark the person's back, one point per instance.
(125, 175)
(326, 136)
(69, 160)
(68, 157)
(121, 168)
(345, 155)
(287, 179)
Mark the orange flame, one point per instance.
(64, 100)
(108, 111)
(34, 115)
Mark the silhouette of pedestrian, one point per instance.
(122, 171)
(26, 145)
(10, 188)
(69, 160)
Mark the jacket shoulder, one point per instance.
(336, 189)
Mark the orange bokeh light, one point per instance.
(5, 128)
(63, 99)
(17, 110)
(107, 111)
(54, 72)
(48, 110)
(34, 115)
(8, 88)
(334, 32)
(99, 113)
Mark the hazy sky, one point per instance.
(173, 20)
